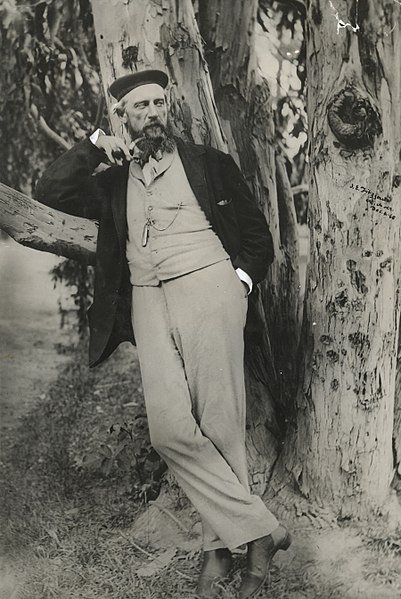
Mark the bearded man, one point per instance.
(181, 244)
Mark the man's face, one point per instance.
(146, 111)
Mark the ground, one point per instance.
(29, 329)
(29, 332)
(77, 521)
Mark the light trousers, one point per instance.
(189, 335)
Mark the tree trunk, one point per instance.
(243, 102)
(342, 451)
(160, 34)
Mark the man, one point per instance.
(181, 244)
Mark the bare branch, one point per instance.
(39, 227)
(47, 130)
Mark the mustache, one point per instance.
(155, 123)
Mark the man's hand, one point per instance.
(114, 148)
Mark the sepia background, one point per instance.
(306, 97)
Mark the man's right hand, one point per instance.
(114, 148)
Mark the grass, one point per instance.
(68, 527)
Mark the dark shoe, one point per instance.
(260, 554)
(216, 565)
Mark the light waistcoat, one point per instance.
(181, 240)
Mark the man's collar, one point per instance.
(153, 168)
(187, 151)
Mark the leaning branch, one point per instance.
(39, 227)
(47, 130)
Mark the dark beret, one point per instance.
(121, 86)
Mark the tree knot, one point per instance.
(353, 119)
(130, 57)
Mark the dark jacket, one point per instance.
(68, 185)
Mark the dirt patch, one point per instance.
(340, 561)
(29, 330)
(8, 581)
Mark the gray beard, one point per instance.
(153, 139)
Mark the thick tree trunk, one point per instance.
(160, 34)
(342, 451)
(36, 226)
(243, 102)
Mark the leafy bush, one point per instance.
(129, 450)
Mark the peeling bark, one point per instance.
(164, 34)
(243, 101)
(341, 450)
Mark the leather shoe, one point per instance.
(216, 565)
(260, 554)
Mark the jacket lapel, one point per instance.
(119, 204)
(194, 166)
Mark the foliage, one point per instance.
(49, 75)
(79, 278)
(48, 456)
(129, 449)
(283, 26)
